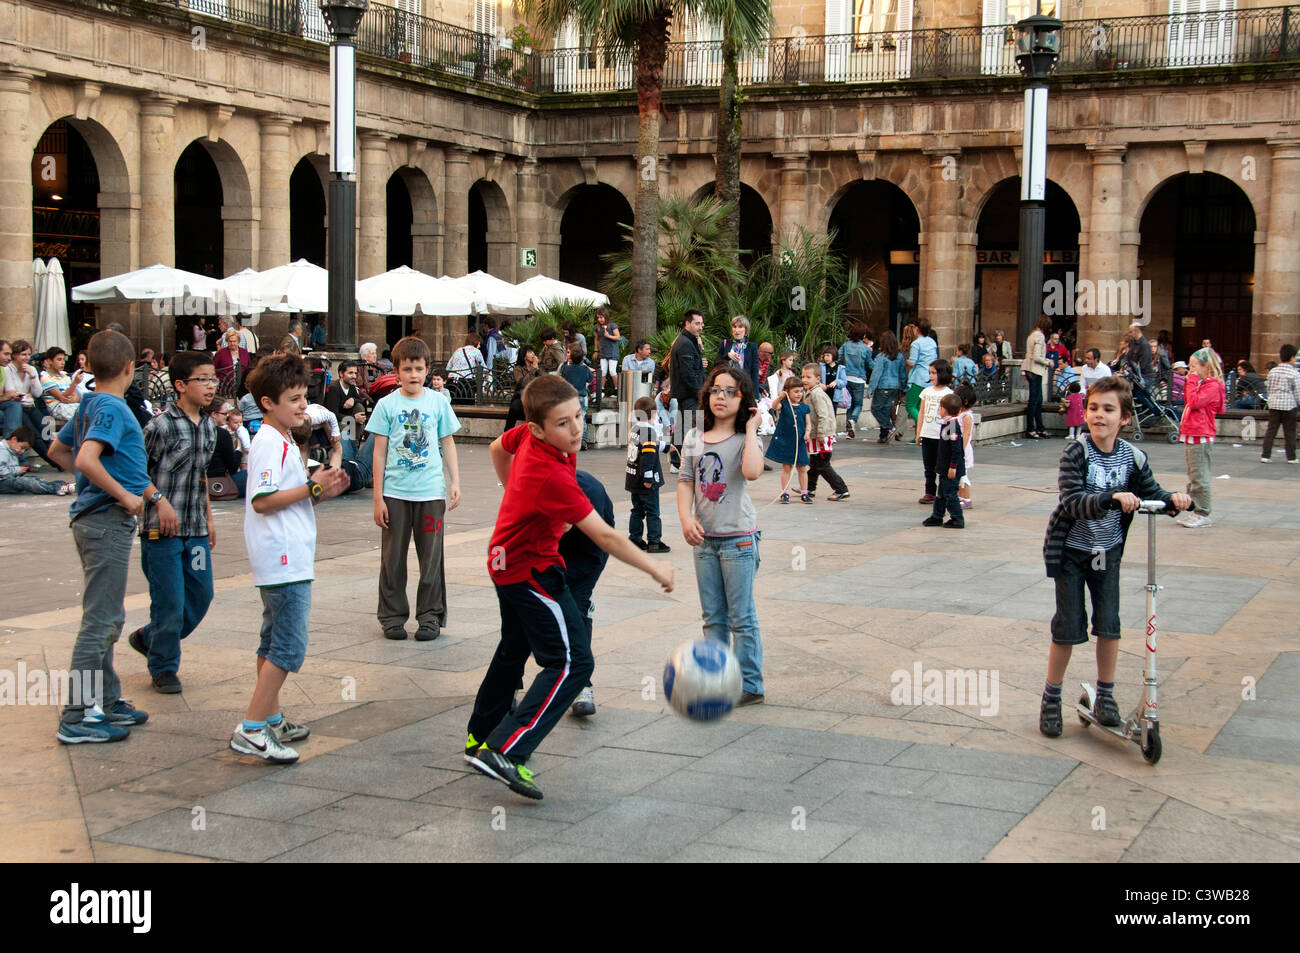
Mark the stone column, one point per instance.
(372, 204)
(1109, 257)
(455, 203)
(1279, 318)
(16, 254)
(792, 208)
(528, 202)
(157, 181)
(276, 171)
(940, 267)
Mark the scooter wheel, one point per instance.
(1137, 436)
(1083, 700)
(1152, 749)
(1173, 436)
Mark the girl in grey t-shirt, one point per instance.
(718, 518)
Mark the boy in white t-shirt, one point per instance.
(928, 423)
(280, 535)
(417, 482)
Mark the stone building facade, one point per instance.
(487, 170)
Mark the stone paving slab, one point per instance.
(828, 769)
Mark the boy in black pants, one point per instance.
(950, 464)
(537, 464)
(1103, 481)
(644, 477)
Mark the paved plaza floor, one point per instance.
(829, 768)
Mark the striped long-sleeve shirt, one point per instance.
(1077, 503)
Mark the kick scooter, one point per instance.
(1143, 726)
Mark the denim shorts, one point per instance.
(1099, 572)
(285, 613)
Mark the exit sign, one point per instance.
(528, 258)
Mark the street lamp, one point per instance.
(343, 17)
(1038, 45)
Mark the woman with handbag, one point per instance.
(1037, 368)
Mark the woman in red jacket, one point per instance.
(1204, 396)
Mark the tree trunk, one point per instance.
(651, 52)
(727, 157)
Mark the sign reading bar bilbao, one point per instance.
(990, 257)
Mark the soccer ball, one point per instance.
(702, 680)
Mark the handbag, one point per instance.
(223, 488)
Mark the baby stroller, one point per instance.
(1150, 410)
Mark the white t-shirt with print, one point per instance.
(281, 544)
(930, 398)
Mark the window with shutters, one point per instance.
(1201, 32)
(871, 17)
(408, 27)
(485, 17)
(998, 36)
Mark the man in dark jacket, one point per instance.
(345, 399)
(686, 363)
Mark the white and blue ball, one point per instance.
(702, 680)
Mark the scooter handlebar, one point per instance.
(1152, 506)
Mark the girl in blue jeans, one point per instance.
(718, 518)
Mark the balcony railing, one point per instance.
(1087, 46)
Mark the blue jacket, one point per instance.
(922, 354)
(856, 358)
(887, 374)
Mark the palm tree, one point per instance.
(641, 26)
(727, 154)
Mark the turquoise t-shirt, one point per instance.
(413, 426)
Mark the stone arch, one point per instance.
(873, 220)
(239, 232)
(426, 219)
(589, 229)
(308, 198)
(902, 170)
(491, 232)
(757, 225)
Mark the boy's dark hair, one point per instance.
(410, 349)
(952, 404)
(1119, 385)
(942, 372)
(109, 352)
(576, 353)
(967, 395)
(1074, 388)
(1287, 354)
(810, 366)
(963, 349)
(25, 435)
(744, 385)
(546, 334)
(544, 393)
(185, 363)
(301, 433)
(275, 375)
(53, 352)
(645, 407)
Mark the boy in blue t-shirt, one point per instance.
(577, 373)
(104, 443)
(417, 484)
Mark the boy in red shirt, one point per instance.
(537, 463)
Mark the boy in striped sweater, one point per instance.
(1103, 480)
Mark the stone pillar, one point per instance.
(372, 204)
(1108, 256)
(157, 181)
(455, 231)
(793, 204)
(940, 268)
(528, 202)
(240, 225)
(276, 171)
(16, 250)
(1279, 318)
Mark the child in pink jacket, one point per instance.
(1204, 396)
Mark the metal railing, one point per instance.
(1178, 41)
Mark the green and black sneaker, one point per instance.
(514, 776)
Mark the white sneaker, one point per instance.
(286, 732)
(66, 489)
(1192, 522)
(585, 704)
(1294, 461)
(1265, 460)
(261, 744)
(672, 469)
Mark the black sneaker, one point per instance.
(1049, 718)
(932, 521)
(750, 698)
(427, 632)
(514, 776)
(136, 641)
(953, 524)
(167, 683)
(396, 632)
(1106, 711)
(658, 547)
(638, 543)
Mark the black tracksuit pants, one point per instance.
(539, 618)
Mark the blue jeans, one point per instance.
(645, 506)
(35, 418)
(725, 568)
(11, 417)
(882, 408)
(179, 570)
(286, 611)
(103, 541)
(855, 403)
(29, 484)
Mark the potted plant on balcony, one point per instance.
(524, 79)
(504, 65)
(522, 40)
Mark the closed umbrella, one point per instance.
(53, 321)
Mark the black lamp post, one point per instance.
(343, 17)
(1038, 45)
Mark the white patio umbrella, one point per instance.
(156, 283)
(491, 295)
(406, 291)
(38, 295)
(297, 286)
(51, 303)
(541, 290)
